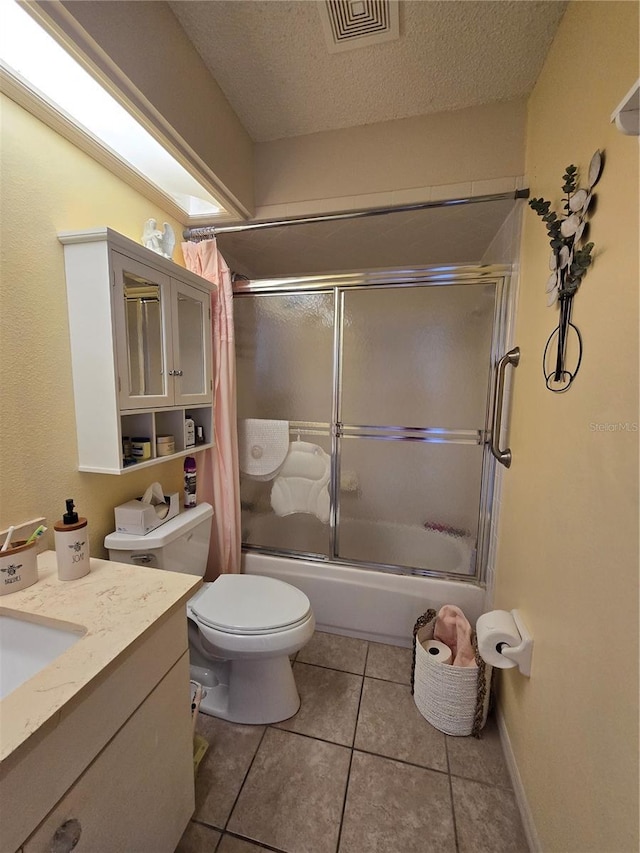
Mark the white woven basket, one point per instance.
(447, 696)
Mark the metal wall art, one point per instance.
(568, 264)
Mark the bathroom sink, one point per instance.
(27, 647)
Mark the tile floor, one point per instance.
(357, 770)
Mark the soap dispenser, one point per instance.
(72, 545)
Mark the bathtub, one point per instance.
(364, 541)
(360, 602)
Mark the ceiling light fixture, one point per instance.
(37, 72)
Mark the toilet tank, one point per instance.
(179, 545)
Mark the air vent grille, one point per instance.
(349, 24)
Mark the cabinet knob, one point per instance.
(66, 836)
(177, 373)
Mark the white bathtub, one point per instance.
(366, 541)
(363, 603)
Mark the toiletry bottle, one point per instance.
(189, 432)
(189, 482)
(72, 545)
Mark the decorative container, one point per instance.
(18, 566)
(454, 699)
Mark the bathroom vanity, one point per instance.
(98, 743)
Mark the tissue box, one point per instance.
(138, 518)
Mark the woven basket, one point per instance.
(454, 699)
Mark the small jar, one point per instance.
(165, 445)
(141, 448)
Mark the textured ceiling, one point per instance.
(445, 235)
(271, 60)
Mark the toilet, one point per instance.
(242, 628)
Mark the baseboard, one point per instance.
(518, 788)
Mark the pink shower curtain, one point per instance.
(218, 475)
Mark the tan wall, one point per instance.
(148, 45)
(48, 186)
(568, 552)
(474, 144)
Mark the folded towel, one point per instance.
(453, 629)
(262, 447)
(302, 482)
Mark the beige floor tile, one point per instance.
(328, 704)
(293, 796)
(482, 760)
(396, 808)
(229, 844)
(391, 663)
(222, 771)
(198, 839)
(345, 653)
(487, 819)
(390, 724)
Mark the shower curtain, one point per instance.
(219, 483)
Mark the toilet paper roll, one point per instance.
(438, 651)
(494, 630)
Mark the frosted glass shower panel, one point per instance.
(410, 503)
(417, 356)
(298, 523)
(284, 356)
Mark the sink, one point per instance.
(26, 647)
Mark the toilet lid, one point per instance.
(250, 604)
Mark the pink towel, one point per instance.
(453, 629)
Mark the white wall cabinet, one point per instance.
(140, 329)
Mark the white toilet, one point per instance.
(242, 628)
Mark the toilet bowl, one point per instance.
(242, 628)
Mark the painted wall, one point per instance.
(393, 162)
(48, 186)
(568, 552)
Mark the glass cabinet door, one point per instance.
(191, 321)
(143, 335)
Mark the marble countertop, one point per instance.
(112, 607)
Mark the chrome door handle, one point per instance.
(512, 358)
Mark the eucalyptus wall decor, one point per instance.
(568, 263)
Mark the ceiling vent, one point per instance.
(349, 24)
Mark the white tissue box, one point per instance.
(139, 518)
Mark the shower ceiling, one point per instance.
(444, 235)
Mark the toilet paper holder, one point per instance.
(513, 655)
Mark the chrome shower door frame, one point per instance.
(339, 285)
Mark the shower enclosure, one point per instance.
(390, 372)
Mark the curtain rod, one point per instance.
(205, 232)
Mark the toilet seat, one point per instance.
(250, 605)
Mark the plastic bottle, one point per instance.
(72, 545)
(189, 482)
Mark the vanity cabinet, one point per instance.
(138, 793)
(140, 332)
(114, 766)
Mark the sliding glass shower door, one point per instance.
(284, 358)
(392, 382)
